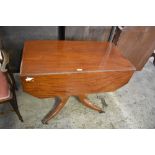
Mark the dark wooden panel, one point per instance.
(100, 33)
(14, 37)
(137, 44)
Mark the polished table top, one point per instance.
(52, 57)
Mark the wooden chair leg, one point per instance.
(154, 62)
(14, 105)
(83, 99)
(153, 55)
(56, 110)
(154, 59)
(13, 80)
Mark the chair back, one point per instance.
(4, 60)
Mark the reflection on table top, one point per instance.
(60, 57)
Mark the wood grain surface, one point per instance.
(49, 68)
(57, 57)
(137, 43)
(45, 86)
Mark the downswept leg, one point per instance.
(56, 110)
(83, 99)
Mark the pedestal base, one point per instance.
(62, 101)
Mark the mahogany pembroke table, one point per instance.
(72, 68)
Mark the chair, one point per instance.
(7, 84)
